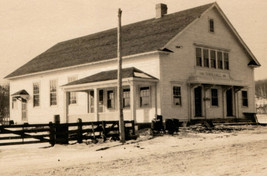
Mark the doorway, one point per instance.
(229, 102)
(198, 101)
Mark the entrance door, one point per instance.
(198, 102)
(24, 110)
(229, 102)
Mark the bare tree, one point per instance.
(4, 102)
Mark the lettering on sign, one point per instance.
(213, 74)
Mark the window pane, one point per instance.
(198, 57)
(36, 96)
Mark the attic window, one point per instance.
(211, 25)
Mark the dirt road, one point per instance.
(236, 153)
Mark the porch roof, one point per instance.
(21, 94)
(131, 72)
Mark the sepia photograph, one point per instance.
(130, 88)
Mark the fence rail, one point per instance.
(62, 133)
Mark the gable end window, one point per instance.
(211, 23)
(53, 92)
(177, 98)
(245, 98)
(214, 97)
(36, 94)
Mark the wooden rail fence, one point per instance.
(63, 133)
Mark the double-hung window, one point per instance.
(213, 58)
(214, 97)
(101, 100)
(245, 98)
(206, 58)
(110, 99)
(126, 98)
(53, 92)
(211, 25)
(73, 95)
(91, 99)
(226, 61)
(36, 94)
(177, 98)
(198, 57)
(220, 60)
(144, 96)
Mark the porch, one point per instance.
(139, 96)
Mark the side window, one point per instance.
(211, 25)
(245, 98)
(214, 97)
(177, 98)
(144, 96)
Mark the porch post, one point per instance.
(66, 96)
(96, 95)
(133, 100)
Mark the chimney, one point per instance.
(161, 9)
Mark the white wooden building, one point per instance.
(187, 65)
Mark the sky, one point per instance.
(30, 27)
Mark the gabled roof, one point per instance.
(140, 37)
(131, 72)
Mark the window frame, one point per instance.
(36, 94)
(220, 60)
(100, 101)
(226, 62)
(214, 99)
(147, 94)
(213, 63)
(176, 96)
(206, 58)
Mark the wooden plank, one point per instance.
(25, 142)
(19, 137)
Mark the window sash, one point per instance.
(226, 61)
(220, 60)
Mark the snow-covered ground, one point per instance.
(188, 153)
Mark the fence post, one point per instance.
(133, 127)
(104, 130)
(80, 131)
(51, 134)
(22, 133)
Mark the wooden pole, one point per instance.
(119, 87)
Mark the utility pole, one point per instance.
(119, 87)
